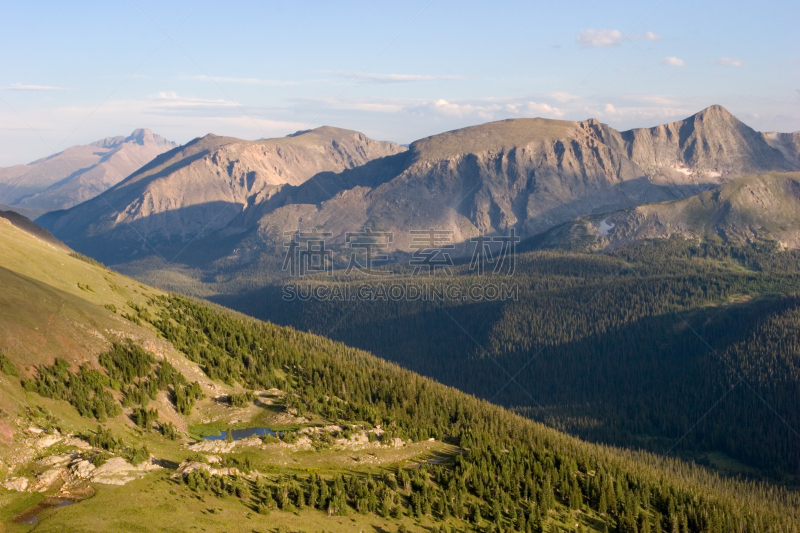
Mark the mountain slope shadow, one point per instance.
(164, 234)
(642, 384)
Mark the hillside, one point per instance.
(25, 224)
(754, 209)
(630, 347)
(115, 427)
(78, 173)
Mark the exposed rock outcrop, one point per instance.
(761, 208)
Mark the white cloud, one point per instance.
(244, 81)
(485, 109)
(729, 62)
(661, 100)
(544, 110)
(673, 61)
(560, 96)
(650, 36)
(368, 77)
(21, 87)
(169, 103)
(452, 109)
(379, 106)
(592, 38)
(640, 115)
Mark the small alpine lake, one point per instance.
(238, 434)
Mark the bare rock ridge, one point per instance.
(527, 174)
(200, 187)
(78, 173)
(758, 208)
(712, 145)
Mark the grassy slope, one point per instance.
(44, 314)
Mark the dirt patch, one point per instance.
(6, 432)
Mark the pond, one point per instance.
(241, 434)
(31, 516)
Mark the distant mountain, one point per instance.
(527, 174)
(78, 173)
(746, 210)
(787, 143)
(201, 187)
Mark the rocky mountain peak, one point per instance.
(141, 136)
(109, 142)
(79, 172)
(714, 112)
(144, 136)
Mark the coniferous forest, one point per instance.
(669, 346)
(512, 471)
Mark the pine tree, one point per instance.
(575, 496)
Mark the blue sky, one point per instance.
(74, 73)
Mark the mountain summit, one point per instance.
(78, 173)
(711, 146)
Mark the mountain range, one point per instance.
(235, 201)
(78, 173)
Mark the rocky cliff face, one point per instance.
(787, 144)
(528, 174)
(710, 147)
(200, 187)
(80, 172)
(760, 208)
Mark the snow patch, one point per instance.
(605, 227)
(683, 170)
